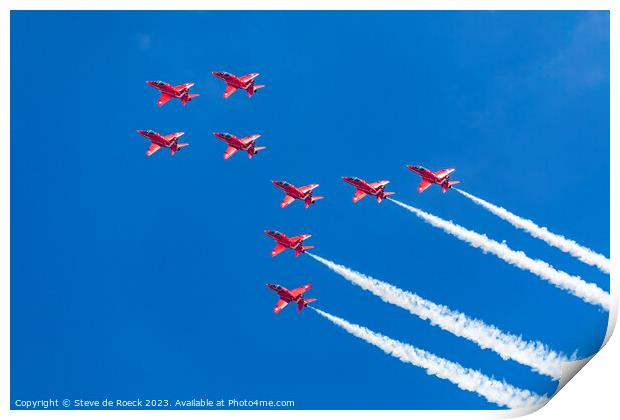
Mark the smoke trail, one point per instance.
(589, 292)
(533, 354)
(493, 390)
(569, 246)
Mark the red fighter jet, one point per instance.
(244, 82)
(168, 91)
(158, 141)
(295, 243)
(364, 188)
(293, 193)
(247, 144)
(429, 177)
(288, 296)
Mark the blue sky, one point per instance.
(136, 277)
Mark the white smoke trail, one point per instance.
(589, 292)
(533, 354)
(569, 246)
(471, 380)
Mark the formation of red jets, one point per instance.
(292, 193)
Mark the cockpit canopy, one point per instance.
(277, 287)
(149, 132)
(286, 184)
(158, 83)
(276, 233)
(226, 135)
(355, 179)
(224, 74)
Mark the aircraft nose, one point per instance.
(268, 232)
(275, 182)
(215, 73)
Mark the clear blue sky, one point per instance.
(144, 277)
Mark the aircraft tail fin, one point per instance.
(255, 150)
(253, 88)
(445, 186)
(303, 249)
(303, 303)
(185, 99)
(311, 200)
(175, 148)
(384, 195)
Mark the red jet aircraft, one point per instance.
(364, 188)
(428, 178)
(168, 91)
(158, 141)
(233, 83)
(247, 144)
(288, 296)
(295, 243)
(292, 193)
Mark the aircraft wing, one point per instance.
(287, 200)
(170, 137)
(359, 194)
(424, 185)
(248, 77)
(277, 249)
(300, 290)
(163, 99)
(443, 173)
(152, 149)
(379, 184)
(307, 188)
(229, 91)
(249, 139)
(302, 237)
(183, 86)
(279, 306)
(229, 152)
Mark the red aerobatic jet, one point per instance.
(158, 141)
(288, 296)
(295, 243)
(247, 144)
(233, 83)
(168, 91)
(364, 188)
(292, 193)
(428, 178)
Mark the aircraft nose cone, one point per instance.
(215, 73)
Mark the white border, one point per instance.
(593, 394)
